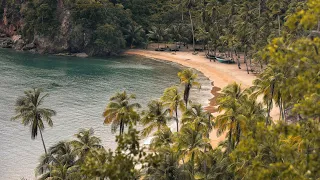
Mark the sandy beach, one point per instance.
(219, 74)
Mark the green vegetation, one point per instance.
(29, 109)
(256, 146)
(104, 27)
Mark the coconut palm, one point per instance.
(269, 84)
(179, 32)
(163, 137)
(85, 142)
(188, 79)
(60, 161)
(157, 116)
(173, 100)
(157, 33)
(29, 109)
(196, 114)
(133, 34)
(120, 112)
(231, 118)
(164, 165)
(191, 143)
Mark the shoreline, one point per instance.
(219, 74)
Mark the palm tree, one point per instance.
(29, 109)
(85, 142)
(60, 161)
(120, 112)
(163, 165)
(269, 84)
(232, 118)
(179, 32)
(156, 116)
(188, 79)
(173, 100)
(133, 34)
(157, 33)
(196, 114)
(191, 142)
(162, 138)
(189, 4)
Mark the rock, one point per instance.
(6, 43)
(15, 38)
(3, 35)
(29, 47)
(33, 51)
(19, 44)
(81, 55)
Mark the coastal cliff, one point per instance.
(15, 28)
(94, 27)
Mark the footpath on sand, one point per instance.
(219, 74)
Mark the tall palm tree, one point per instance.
(188, 79)
(179, 32)
(133, 34)
(157, 33)
(157, 116)
(164, 165)
(232, 118)
(120, 112)
(196, 114)
(191, 142)
(85, 142)
(162, 138)
(171, 98)
(29, 109)
(60, 161)
(269, 85)
(189, 5)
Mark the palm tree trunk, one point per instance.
(230, 139)
(121, 127)
(279, 24)
(186, 94)
(177, 118)
(259, 8)
(191, 22)
(44, 146)
(192, 164)
(245, 60)
(238, 133)
(270, 103)
(238, 60)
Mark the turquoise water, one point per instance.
(79, 91)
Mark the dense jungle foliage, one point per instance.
(101, 27)
(282, 35)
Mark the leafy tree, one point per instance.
(108, 40)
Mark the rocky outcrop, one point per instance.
(62, 42)
(6, 42)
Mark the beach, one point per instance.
(218, 73)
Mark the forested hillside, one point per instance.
(104, 27)
(282, 36)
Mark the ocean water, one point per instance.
(79, 91)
